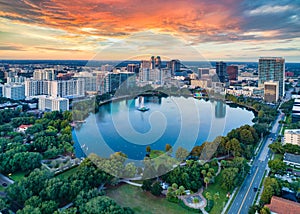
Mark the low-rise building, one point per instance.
(291, 159)
(22, 128)
(282, 206)
(292, 136)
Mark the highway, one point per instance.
(246, 195)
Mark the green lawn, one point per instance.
(17, 176)
(143, 202)
(67, 173)
(214, 188)
(278, 156)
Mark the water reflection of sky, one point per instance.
(177, 121)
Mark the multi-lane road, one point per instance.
(246, 195)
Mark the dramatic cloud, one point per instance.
(93, 24)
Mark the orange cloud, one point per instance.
(121, 18)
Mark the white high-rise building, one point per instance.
(67, 88)
(14, 91)
(155, 76)
(44, 74)
(90, 80)
(53, 103)
(16, 79)
(37, 87)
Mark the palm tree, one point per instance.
(148, 149)
(206, 181)
(216, 196)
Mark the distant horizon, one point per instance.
(115, 60)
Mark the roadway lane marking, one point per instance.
(248, 190)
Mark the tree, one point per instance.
(147, 184)
(233, 146)
(277, 166)
(203, 172)
(206, 181)
(148, 149)
(29, 209)
(265, 210)
(3, 204)
(156, 189)
(216, 196)
(208, 196)
(229, 178)
(271, 187)
(276, 147)
(102, 205)
(168, 148)
(180, 190)
(181, 154)
(174, 186)
(246, 136)
(129, 171)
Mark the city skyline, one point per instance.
(229, 30)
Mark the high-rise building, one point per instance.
(14, 91)
(16, 79)
(67, 88)
(232, 72)
(53, 103)
(37, 87)
(221, 71)
(174, 65)
(90, 80)
(44, 74)
(271, 91)
(152, 62)
(114, 80)
(158, 62)
(203, 71)
(145, 64)
(107, 67)
(272, 68)
(133, 68)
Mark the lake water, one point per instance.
(178, 121)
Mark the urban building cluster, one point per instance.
(55, 85)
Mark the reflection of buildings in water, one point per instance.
(220, 109)
(153, 99)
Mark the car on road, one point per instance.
(255, 189)
(4, 184)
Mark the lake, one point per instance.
(178, 121)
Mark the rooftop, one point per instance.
(292, 131)
(291, 158)
(283, 206)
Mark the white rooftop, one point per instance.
(292, 131)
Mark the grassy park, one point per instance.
(143, 202)
(215, 188)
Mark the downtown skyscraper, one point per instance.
(272, 69)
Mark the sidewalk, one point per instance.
(228, 202)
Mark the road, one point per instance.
(246, 195)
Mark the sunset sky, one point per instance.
(119, 29)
